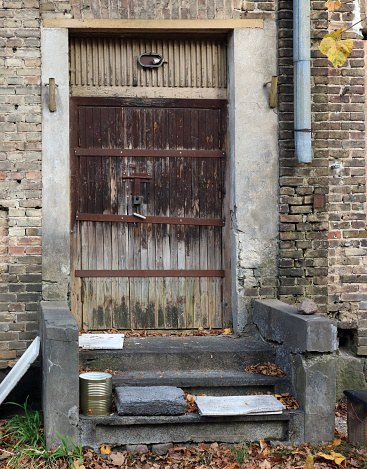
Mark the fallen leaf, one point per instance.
(265, 464)
(227, 331)
(118, 459)
(336, 457)
(336, 442)
(76, 465)
(263, 444)
(309, 462)
(105, 449)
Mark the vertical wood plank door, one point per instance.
(148, 213)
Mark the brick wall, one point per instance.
(322, 205)
(323, 239)
(20, 176)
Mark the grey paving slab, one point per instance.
(217, 406)
(150, 400)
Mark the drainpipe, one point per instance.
(302, 80)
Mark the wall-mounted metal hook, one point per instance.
(51, 94)
(273, 91)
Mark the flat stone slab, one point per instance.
(359, 396)
(101, 341)
(150, 400)
(218, 406)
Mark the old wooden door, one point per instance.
(147, 183)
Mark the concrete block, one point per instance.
(137, 449)
(60, 372)
(150, 400)
(280, 322)
(161, 449)
(314, 381)
(349, 373)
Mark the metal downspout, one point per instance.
(302, 80)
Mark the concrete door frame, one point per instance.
(253, 137)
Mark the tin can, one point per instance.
(95, 393)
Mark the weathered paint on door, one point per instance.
(147, 213)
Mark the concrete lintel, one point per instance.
(280, 322)
(152, 25)
(60, 372)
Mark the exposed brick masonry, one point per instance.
(323, 239)
(322, 246)
(20, 176)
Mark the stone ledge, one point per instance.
(281, 323)
(59, 323)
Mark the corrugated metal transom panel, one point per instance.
(113, 62)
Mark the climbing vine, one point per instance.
(332, 45)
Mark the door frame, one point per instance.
(253, 144)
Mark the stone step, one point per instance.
(180, 353)
(119, 431)
(210, 382)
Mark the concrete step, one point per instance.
(210, 382)
(118, 431)
(180, 353)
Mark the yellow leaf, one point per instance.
(336, 457)
(105, 449)
(227, 331)
(309, 462)
(332, 6)
(277, 395)
(336, 442)
(337, 50)
(325, 456)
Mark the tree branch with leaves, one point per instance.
(332, 45)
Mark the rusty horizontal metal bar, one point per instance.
(156, 220)
(149, 153)
(149, 273)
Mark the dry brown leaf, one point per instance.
(118, 459)
(265, 464)
(263, 444)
